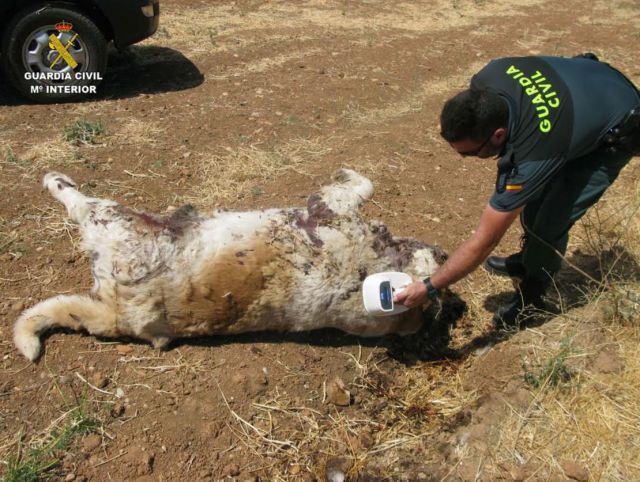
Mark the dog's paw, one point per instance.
(344, 175)
(55, 181)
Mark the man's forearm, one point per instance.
(462, 262)
(468, 257)
(465, 259)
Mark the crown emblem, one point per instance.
(63, 26)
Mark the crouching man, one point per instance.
(561, 129)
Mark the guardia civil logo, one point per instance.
(57, 51)
(57, 61)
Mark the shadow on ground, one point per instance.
(430, 343)
(132, 72)
(582, 276)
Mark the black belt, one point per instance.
(625, 137)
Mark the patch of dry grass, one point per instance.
(413, 101)
(8, 236)
(140, 133)
(54, 152)
(221, 27)
(393, 416)
(594, 423)
(35, 157)
(592, 420)
(610, 13)
(242, 171)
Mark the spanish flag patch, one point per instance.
(514, 187)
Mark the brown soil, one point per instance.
(326, 83)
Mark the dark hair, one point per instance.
(473, 114)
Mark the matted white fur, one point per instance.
(162, 277)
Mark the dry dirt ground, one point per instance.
(253, 104)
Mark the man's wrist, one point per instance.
(432, 292)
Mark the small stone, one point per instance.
(335, 470)
(17, 307)
(256, 383)
(367, 440)
(294, 470)
(70, 477)
(117, 410)
(233, 470)
(337, 393)
(574, 470)
(99, 380)
(124, 349)
(140, 460)
(518, 474)
(91, 442)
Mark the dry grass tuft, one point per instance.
(240, 173)
(593, 423)
(138, 133)
(54, 152)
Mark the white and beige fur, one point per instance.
(163, 277)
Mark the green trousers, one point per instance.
(576, 187)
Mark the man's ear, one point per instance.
(500, 135)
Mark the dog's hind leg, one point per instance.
(346, 194)
(64, 190)
(69, 311)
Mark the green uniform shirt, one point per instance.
(559, 109)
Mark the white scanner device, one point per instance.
(378, 290)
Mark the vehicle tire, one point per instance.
(44, 69)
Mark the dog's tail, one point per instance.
(72, 311)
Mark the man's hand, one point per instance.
(412, 295)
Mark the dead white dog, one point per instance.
(163, 277)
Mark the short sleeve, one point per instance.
(523, 183)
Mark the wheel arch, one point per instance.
(89, 8)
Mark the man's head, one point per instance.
(474, 122)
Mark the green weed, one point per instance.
(553, 371)
(83, 132)
(10, 157)
(43, 455)
(5, 242)
(213, 36)
(257, 191)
